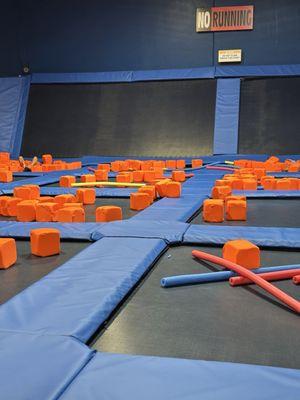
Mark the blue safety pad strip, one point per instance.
(79, 296)
(37, 366)
(120, 376)
(170, 232)
(76, 231)
(227, 71)
(181, 209)
(102, 192)
(227, 116)
(28, 174)
(267, 193)
(261, 236)
(285, 174)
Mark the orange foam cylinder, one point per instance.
(268, 276)
(296, 280)
(246, 273)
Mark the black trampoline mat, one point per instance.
(29, 268)
(211, 321)
(265, 212)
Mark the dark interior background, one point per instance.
(270, 116)
(165, 118)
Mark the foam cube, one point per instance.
(46, 199)
(197, 163)
(115, 166)
(124, 177)
(233, 197)
(161, 187)
(3, 205)
(47, 159)
(220, 192)
(34, 191)
(294, 183)
(23, 192)
(6, 176)
(67, 180)
(139, 201)
(101, 175)
(249, 184)
(86, 196)
(8, 252)
(282, 184)
(108, 213)
(149, 176)
(45, 242)
(45, 212)
(236, 210)
(61, 199)
(4, 157)
(269, 183)
(180, 164)
(171, 164)
(87, 178)
(26, 210)
(242, 252)
(178, 176)
(70, 214)
(138, 176)
(149, 189)
(11, 206)
(173, 189)
(213, 210)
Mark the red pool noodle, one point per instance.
(221, 168)
(296, 280)
(246, 273)
(268, 276)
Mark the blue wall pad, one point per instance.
(124, 76)
(13, 102)
(267, 193)
(266, 237)
(181, 209)
(285, 174)
(171, 232)
(43, 365)
(257, 70)
(104, 272)
(75, 231)
(103, 192)
(137, 377)
(227, 116)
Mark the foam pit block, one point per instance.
(108, 214)
(242, 252)
(45, 242)
(8, 252)
(213, 210)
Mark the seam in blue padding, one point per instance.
(265, 237)
(44, 365)
(170, 232)
(267, 193)
(134, 377)
(76, 298)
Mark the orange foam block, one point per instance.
(233, 197)
(282, 184)
(67, 180)
(236, 210)
(115, 166)
(294, 183)
(269, 183)
(45, 212)
(149, 189)
(46, 199)
(61, 199)
(101, 175)
(173, 189)
(223, 182)
(180, 164)
(8, 252)
(220, 192)
(23, 192)
(242, 252)
(104, 167)
(45, 242)
(161, 187)
(34, 191)
(47, 159)
(26, 210)
(249, 184)
(3, 205)
(149, 176)
(124, 177)
(213, 210)
(139, 201)
(178, 176)
(70, 214)
(6, 176)
(197, 163)
(11, 206)
(4, 157)
(171, 164)
(86, 196)
(108, 213)
(138, 176)
(87, 178)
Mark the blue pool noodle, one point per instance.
(219, 276)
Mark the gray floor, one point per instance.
(211, 321)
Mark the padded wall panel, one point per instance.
(269, 116)
(169, 118)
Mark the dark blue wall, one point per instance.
(108, 35)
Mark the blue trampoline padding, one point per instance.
(102, 192)
(267, 193)
(28, 174)
(227, 71)
(285, 174)
(218, 276)
(120, 376)
(227, 116)
(76, 231)
(79, 296)
(171, 232)
(265, 237)
(39, 367)
(181, 209)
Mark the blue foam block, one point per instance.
(114, 376)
